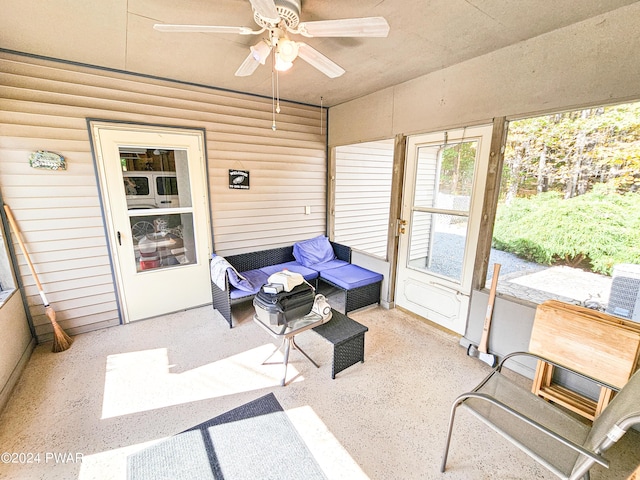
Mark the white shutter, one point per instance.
(363, 194)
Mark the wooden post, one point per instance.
(395, 211)
(491, 192)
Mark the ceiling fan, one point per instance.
(281, 18)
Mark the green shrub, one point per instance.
(595, 231)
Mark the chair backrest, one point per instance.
(622, 413)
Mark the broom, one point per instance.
(61, 341)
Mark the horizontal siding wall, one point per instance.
(363, 195)
(45, 105)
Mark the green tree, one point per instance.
(570, 152)
(570, 188)
(458, 162)
(595, 231)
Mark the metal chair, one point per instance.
(555, 438)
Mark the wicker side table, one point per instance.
(347, 337)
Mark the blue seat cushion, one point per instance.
(294, 266)
(350, 276)
(235, 293)
(248, 285)
(321, 267)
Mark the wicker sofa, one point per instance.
(359, 286)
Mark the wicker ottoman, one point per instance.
(347, 337)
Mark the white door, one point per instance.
(154, 188)
(442, 203)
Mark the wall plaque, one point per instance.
(47, 160)
(239, 179)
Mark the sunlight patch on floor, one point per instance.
(571, 282)
(332, 457)
(141, 381)
(111, 464)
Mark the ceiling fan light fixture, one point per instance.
(260, 51)
(282, 65)
(287, 50)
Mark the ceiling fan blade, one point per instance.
(319, 61)
(348, 27)
(267, 10)
(162, 27)
(248, 66)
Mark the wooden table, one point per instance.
(599, 345)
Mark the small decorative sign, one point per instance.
(239, 179)
(47, 160)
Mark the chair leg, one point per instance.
(450, 431)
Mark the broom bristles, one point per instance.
(61, 341)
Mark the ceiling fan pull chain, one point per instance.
(273, 99)
(321, 99)
(277, 92)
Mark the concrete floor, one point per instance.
(78, 414)
(566, 284)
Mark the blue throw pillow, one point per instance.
(313, 251)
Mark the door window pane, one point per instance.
(442, 200)
(438, 243)
(155, 178)
(444, 176)
(161, 241)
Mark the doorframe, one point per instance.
(154, 128)
(395, 213)
(489, 207)
(480, 252)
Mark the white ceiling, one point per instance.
(425, 36)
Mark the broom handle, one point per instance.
(12, 221)
(484, 341)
